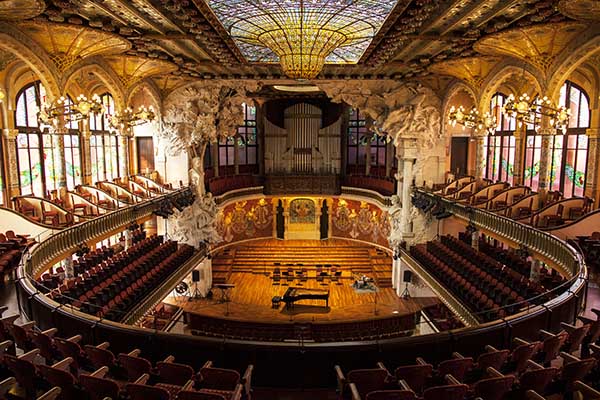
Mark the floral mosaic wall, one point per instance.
(360, 220)
(248, 219)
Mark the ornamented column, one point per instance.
(545, 161)
(86, 154)
(520, 137)
(60, 167)
(409, 155)
(13, 184)
(591, 179)
(480, 156)
(123, 147)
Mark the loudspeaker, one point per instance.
(195, 275)
(407, 276)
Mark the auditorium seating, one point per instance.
(48, 371)
(108, 286)
(11, 248)
(490, 289)
(590, 248)
(527, 369)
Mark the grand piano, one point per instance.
(294, 294)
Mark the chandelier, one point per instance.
(128, 118)
(302, 34)
(529, 111)
(472, 119)
(80, 109)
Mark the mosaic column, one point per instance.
(480, 156)
(520, 137)
(12, 172)
(123, 148)
(86, 153)
(545, 161)
(60, 168)
(591, 179)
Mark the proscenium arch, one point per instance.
(500, 76)
(105, 74)
(32, 54)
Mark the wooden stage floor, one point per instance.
(250, 299)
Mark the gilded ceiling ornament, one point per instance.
(132, 69)
(6, 57)
(302, 35)
(472, 70)
(588, 10)
(538, 45)
(68, 44)
(21, 9)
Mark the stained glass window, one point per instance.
(29, 147)
(103, 143)
(533, 153)
(358, 135)
(72, 160)
(500, 147)
(569, 152)
(256, 24)
(245, 142)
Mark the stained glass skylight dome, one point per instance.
(302, 34)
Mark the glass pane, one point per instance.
(25, 176)
(251, 155)
(222, 156)
(556, 170)
(230, 150)
(36, 172)
(21, 114)
(584, 109)
(32, 107)
(34, 140)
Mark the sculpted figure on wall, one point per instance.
(196, 223)
(203, 113)
(398, 109)
(197, 176)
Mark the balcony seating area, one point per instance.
(54, 278)
(556, 366)
(490, 289)
(380, 184)
(590, 248)
(442, 317)
(112, 287)
(43, 365)
(11, 248)
(220, 185)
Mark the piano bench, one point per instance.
(276, 302)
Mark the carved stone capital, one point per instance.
(10, 134)
(546, 131)
(593, 133)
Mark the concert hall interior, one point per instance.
(293, 199)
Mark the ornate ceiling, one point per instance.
(194, 37)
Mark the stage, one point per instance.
(250, 267)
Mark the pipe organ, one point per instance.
(302, 147)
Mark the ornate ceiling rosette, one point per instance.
(21, 9)
(538, 45)
(132, 69)
(303, 34)
(68, 44)
(587, 10)
(472, 70)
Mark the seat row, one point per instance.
(93, 372)
(11, 248)
(548, 366)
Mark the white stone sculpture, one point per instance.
(395, 212)
(197, 176)
(196, 223)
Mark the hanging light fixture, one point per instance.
(81, 108)
(472, 119)
(530, 111)
(302, 34)
(128, 118)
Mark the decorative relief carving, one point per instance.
(398, 109)
(195, 223)
(203, 113)
(6, 57)
(360, 220)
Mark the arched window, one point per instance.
(103, 145)
(500, 147)
(569, 151)
(358, 135)
(72, 152)
(245, 142)
(31, 154)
